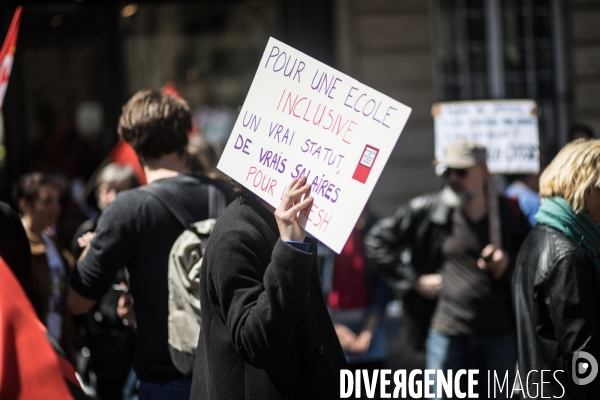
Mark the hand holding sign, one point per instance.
(290, 224)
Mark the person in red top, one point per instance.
(356, 298)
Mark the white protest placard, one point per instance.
(302, 117)
(507, 128)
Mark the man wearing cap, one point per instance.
(437, 254)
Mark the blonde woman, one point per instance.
(556, 285)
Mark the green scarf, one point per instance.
(558, 214)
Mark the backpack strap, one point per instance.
(161, 194)
(216, 202)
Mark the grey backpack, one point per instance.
(185, 258)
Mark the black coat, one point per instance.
(15, 250)
(266, 333)
(556, 294)
(408, 245)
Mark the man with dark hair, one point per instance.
(155, 124)
(137, 231)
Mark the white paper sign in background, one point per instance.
(508, 129)
(302, 117)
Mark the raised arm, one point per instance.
(262, 304)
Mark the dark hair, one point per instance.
(28, 187)
(155, 123)
(232, 186)
(203, 156)
(581, 128)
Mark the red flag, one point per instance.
(124, 154)
(7, 53)
(29, 367)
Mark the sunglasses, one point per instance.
(460, 172)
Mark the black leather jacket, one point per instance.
(408, 245)
(556, 294)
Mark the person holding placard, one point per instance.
(266, 333)
(455, 284)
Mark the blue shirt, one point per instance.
(529, 201)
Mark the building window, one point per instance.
(209, 50)
(461, 50)
(504, 49)
(527, 48)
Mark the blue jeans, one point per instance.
(482, 352)
(130, 389)
(172, 390)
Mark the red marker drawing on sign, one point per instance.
(365, 164)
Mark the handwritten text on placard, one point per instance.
(304, 118)
(508, 128)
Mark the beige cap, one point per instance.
(464, 154)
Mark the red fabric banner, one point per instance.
(7, 53)
(29, 367)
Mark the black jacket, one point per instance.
(266, 333)
(556, 294)
(15, 250)
(408, 245)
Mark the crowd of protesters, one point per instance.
(281, 313)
